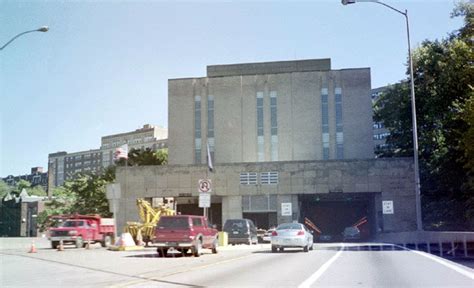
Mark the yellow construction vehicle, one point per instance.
(144, 232)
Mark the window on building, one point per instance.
(210, 125)
(378, 125)
(339, 124)
(325, 122)
(248, 178)
(274, 125)
(384, 135)
(197, 129)
(197, 150)
(259, 203)
(260, 139)
(36, 180)
(269, 178)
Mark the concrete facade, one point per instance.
(388, 179)
(83, 161)
(298, 111)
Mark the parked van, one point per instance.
(241, 231)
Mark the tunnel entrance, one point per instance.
(333, 213)
(263, 220)
(190, 206)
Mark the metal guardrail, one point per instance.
(453, 244)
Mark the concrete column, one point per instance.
(293, 199)
(231, 207)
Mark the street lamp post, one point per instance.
(41, 29)
(419, 225)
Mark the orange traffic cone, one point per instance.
(32, 248)
(61, 247)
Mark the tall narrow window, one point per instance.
(325, 122)
(210, 125)
(274, 125)
(197, 129)
(339, 125)
(260, 140)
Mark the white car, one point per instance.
(292, 235)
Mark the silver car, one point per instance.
(292, 235)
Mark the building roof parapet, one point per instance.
(84, 152)
(57, 154)
(269, 67)
(145, 128)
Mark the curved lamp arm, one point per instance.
(42, 29)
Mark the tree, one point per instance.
(443, 77)
(139, 157)
(62, 202)
(4, 189)
(89, 191)
(37, 190)
(22, 184)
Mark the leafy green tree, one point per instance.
(22, 184)
(31, 190)
(62, 202)
(443, 76)
(4, 189)
(139, 157)
(37, 190)
(89, 191)
(467, 145)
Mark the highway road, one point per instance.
(328, 265)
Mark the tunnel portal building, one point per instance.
(288, 140)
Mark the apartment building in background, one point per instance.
(63, 166)
(380, 133)
(153, 137)
(36, 177)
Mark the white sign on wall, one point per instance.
(286, 209)
(204, 200)
(387, 207)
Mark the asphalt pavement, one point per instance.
(328, 265)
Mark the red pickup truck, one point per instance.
(184, 233)
(82, 229)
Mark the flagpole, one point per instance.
(209, 168)
(207, 177)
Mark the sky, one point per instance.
(103, 66)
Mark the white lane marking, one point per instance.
(308, 282)
(446, 263)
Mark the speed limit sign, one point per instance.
(204, 185)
